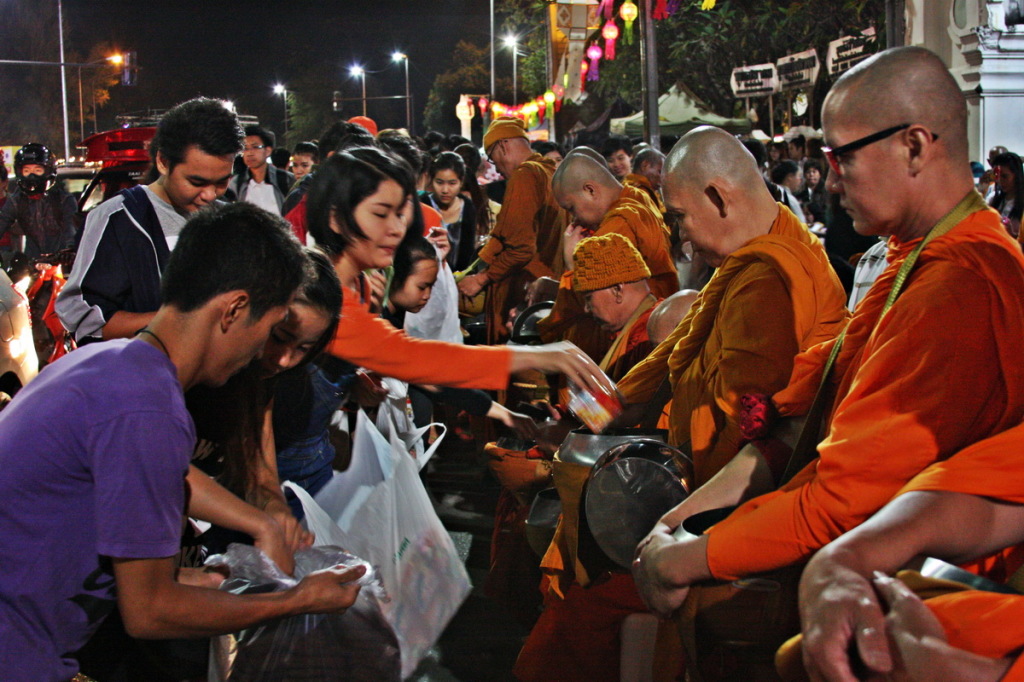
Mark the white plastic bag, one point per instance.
(385, 515)
(439, 319)
(396, 410)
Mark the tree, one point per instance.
(468, 75)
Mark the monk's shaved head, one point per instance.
(902, 85)
(708, 154)
(667, 315)
(578, 168)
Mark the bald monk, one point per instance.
(646, 174)
(525, 241)
(960, 509)
(667, 315)
(600, 205)
(901, 171)
(727, 346)
(612, 278)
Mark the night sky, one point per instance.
(237, 49)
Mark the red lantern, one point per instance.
(594, 52)
(607, 7)
(483, 104)
(584, 67)
(610, 33)
(660, 10)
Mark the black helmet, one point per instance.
(35, 153)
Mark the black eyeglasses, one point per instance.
(494, 148)
(834, 154)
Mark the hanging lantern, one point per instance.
(594, 52)
(542, 107)
(610, 33)
(707, 4)
(584, 67)
(483, 104)
(549, 97)
(628, 13)
(660, 10)
(558, 91)
(607, 8)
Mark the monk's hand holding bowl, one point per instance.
(665, 567)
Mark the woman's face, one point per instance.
(446, 186)
(813, 176)
(291, 340)
(415, 293)
(1006, 179)
(381, 217)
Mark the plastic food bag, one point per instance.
(355, 645)
(439, 319)
(385, 515)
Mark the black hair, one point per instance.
(234, 247)
(406, 149)
(543, 147)
(453, 141)
(615, 143)
(201, 122)
(757, 150)
(448, 161)
(266, 137)
(280, 157)
(410, 252)
(432, 138)
(799, 141)
(783, 169)
(330, 139)
(309, 148)
(341, 183)
(471, 157)
(321, 290)
(1013, 163)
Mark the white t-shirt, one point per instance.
(171, 221)
(262, 194)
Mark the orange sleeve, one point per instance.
(756, 356)
(368, 341)
(513, 243)
(984, 623)
(917, 396)
(642, 382)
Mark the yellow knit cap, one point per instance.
(605, 261)
(504, 128)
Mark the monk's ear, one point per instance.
(920, 147)
(716, 196)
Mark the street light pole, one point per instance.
(513, 42)
(360, 72)
(63, 80)
(81, 109)
(283, 91)
(398, 56)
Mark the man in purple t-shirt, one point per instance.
(95, 452)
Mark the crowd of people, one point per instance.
(827, 329)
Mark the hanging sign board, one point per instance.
(754, 81)
(798, 71)
(849, 51)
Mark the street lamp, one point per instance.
(360, 73)
(279, 89)
(114, 59)
(513, 42)
(400, 57)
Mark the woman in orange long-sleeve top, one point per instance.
(357, 212)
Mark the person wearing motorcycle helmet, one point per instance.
(40, 213)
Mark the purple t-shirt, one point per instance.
(93, 458)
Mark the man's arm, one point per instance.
(838, 604)
(155, 606)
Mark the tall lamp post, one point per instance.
(114, 59)
(360, 73)
(283, 91)
(400, 57)
(63, 80)
(513, 43)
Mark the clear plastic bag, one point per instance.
(355, 645)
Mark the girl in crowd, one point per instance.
(447, 175)
(471, 189)
(1009, 196)
(415, 272)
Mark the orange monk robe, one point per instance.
(577, 634)
(524, 243)
(634, 217)
(941, 371)
(770, 299)
(641, 182)
(364, 339)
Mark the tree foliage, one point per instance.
(469, 75)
